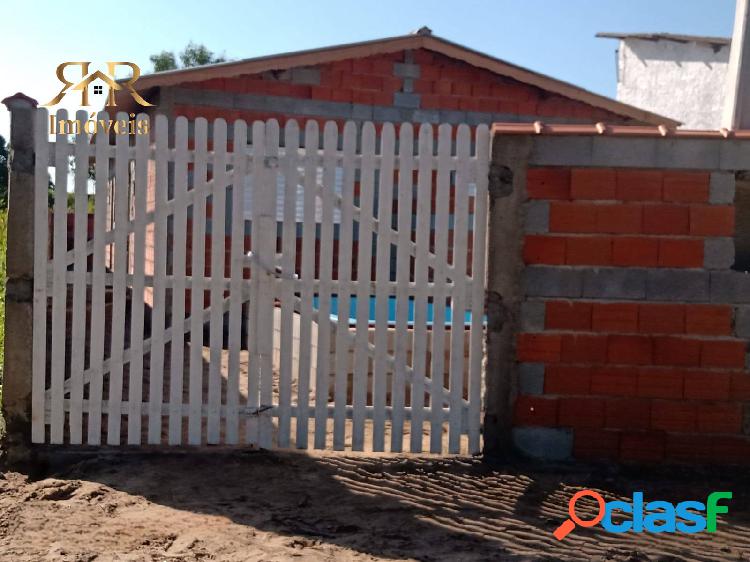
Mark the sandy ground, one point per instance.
(282, 506)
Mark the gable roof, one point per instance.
(420, 40)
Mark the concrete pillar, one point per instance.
(507, 187)
(16, 407)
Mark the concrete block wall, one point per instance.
(633, 341)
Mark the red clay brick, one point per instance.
(739, 386)
(660, 383)
(629, 350)
(731, 449)
(547, 183)
(627, 413)
(582, 348)
(579, 218)
(544, 249)
(642, 446)
(545, 348)
(567, 315)
(634, 251)
(614, 381)
(619, 219)
(588, 250)
(689, 448)
(661, 318)
(595, 444)
(581, 412)
(675, 351)
(708, 319)
(666, 219)
(535, 410)
(720, 417)
(722, 353)
(639, 185)
(712, 220)
(686, 187)
(680, 253)
(592, 183)
(566, 379)
(673, 415)
(706, 385)
(615, 317)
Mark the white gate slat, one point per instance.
(78, 327)
(442, 210)
(140, 195)
(364, 274)
(41, 227)
(419, 340)
(325, 258)
(96, 353)
(308, 274)
(119, 289)
(286, 296)
(403, 275)
(382, 280)
(218, 248)
(158, 321)
(266, 287)
(197, 294)
(59, 286)
(237, 266)
(179, 234)
(344, 287)
(458, 299)
(478, 272)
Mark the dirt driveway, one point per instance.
(282, 506)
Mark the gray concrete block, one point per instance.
(478, 118)
(361, 111)
(543, 281)
(616, 151)
(734, 154)
(718, 253)
(537, 217)
(532, 316)
(721, 188)
(452, 116)
(408, 85)
(544, 443)
(405, 70)
(611, 283)
(742, 322)
(549, 151)
(677, 285)
(403, 99)
(730, 287)
(305, 75)
(531, 378)
(427, 116)
(687, 153)
(391, 114)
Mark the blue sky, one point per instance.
(555, 37)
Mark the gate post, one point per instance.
(507, 190)
(16, 391)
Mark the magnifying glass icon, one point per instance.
(569, 524)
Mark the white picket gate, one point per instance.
(169, 325)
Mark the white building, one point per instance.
(679, 76)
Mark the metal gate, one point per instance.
(261, 286)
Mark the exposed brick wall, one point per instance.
(629, 341)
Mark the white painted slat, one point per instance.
(442, 200)
(41, 228)
(96, 353)
(140, 196)
(419, 341)
(237, 264)
(156, 370)
(119, 289)
(403, 274)
(458, 299)
(179, 246)
(325, 257)
(382, 280)
(266, 203)
(345, 287)
(218, 240)
(308, 273)
(478, 271)
(286, 295)
(197, 295)
(364, 274)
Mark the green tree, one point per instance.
(194, 54)
(3, 174)
(163, 61)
